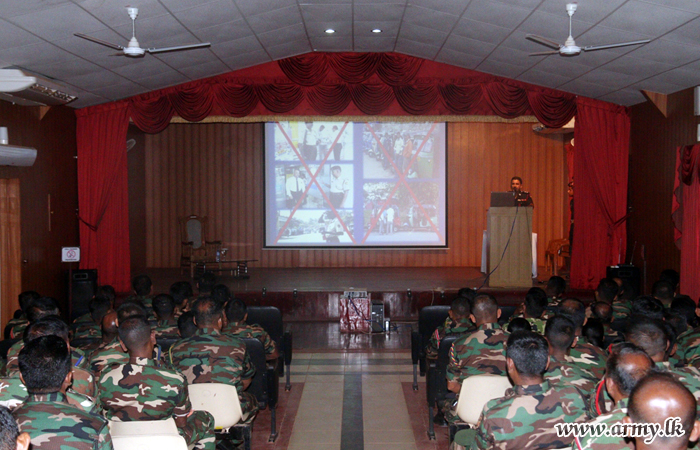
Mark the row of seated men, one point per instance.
(560, 375)
(123, 374)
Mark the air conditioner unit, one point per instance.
(40, 92)
(15, 155)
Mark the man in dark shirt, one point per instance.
(521, 198)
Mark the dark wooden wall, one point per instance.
(653, 143)
(52, 132)
(216, 170)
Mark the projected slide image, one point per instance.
(391, 148)
(319, 227)
(291, 183)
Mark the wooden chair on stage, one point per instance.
(557, 248)
(194, 244)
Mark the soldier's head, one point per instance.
(459, 308)
(686, 307)
(208, 313)
(516, 184)
(99, 306)
(42, 307)
(44, 365)
(236, 311)
(163, 306)
(663, 291)
(130, 308)
(142, 285)
(206, 283)
(575, 310)
(10, 437)
(556, 286)
(136, 336)
(656, 398)
(626, 365)
(47, 326)
(649, 335)
(647, 306)
(535, 302)
(185, 325)
(110, 327)
(602, 311)
(468, 293)
(607, 290)
(181, 291)
(221, 293)
(25, 299)
(672, 276)
(594, 332)
(519, 324)
(485, 309)
(527, 357)
(560, 333)
(106, 291)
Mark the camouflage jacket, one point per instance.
(600, 401)
(588, 442)
(537, 324)
(17, 326)
(589, 357)
(567, 373)
(689, 376)
(448, 328)
(54, 424)
(621, 309)
(87, 317)
(78, 358)
(212, 357)
(13, 393)
(477, 353)
(524, 418)
(142, 389)
(87, 330)
(688, 345)
(105, 355)
(253, 331)
(165, 330)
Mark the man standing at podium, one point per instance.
(521, 198)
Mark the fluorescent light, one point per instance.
(376, 30)
(330, 31)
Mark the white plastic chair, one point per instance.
(221, 400)
(476, 391)
(146, 435)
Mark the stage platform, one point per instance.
(305, 294)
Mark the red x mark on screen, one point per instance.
(313, 181)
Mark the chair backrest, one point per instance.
(436, 380)
(221, 400)
(193, 229)
(259, 385)
(429, 318)
(476, 391)
(146, 435)
(270, 318)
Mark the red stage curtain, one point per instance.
(686, 217)
(601, 159)
(103, 193)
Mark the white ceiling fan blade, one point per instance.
(543, 41)
(590, 48)
(179, 47)
(99, 41)
(553, 52)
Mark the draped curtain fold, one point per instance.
(686, 217)
(601, 159)
(10, 247)
(103, 193)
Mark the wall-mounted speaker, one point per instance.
(83, 285)
(696, 102)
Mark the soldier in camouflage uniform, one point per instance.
(236, 313)
(212, 357)
(626, 365)
(10, 437)
(18, 325)
(164, 310)
(110, 350)
(584, 354)
(37, 308)
(525, 417)
(181, 292)
(144, 389)
(46, 415)
(457, 322)
(13, 393)
(560, 335)
(533, 309)
(99, 306)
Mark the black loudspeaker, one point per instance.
(628, 273)
(83, 287)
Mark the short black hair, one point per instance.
(206, 311)
(181, 291)
(44, 363)
(235, 310)
(602, 311)
(134, 332)
(627, 291)
(648, 334)
(607, 290)
(625, 376)
(99, 306)
(131, 308)
(142, 284)
(663, 290)
(560, 331)
(647, 306)
(468, 293)
(517, 178)
(42, 307)
(519, 324)
(672, 276)
(535, 302)
(460, 307)
(484, 306)
(594, 332)
(106, 291)
(685, 306)
(185, 325)
(556, 286)
(46, 326)
(574, 309)
(163, 305)
(8, 430)
(529, 352)
(25, 299)
(206, 282)
(676, 321)
(221, 293)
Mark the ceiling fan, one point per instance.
(133, 49)
(569, 48)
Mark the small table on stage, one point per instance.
(238, 267)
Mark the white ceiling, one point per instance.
(484, 35)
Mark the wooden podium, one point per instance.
(515, 270)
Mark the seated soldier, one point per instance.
(608, 291)
(105, 292)
(560, 336)
(524, 417)
(237, 314)
(212, 357)
(206, 283)
(519, 324)
(18, 324)
(143, 389)
(626, 365)
(457, 322)
(10, 437)
(594, 332)
(663, 291)
(584, 354)
(185, 325)
(111, 352)
(49, 419)
(604, 312)
(657, 398)
(688, 342)
(556, 286)
(83, 380)
(181, 292)
(221, 293)
(99, 306)
(534, 307)
(108, 334)
(164, 310)
(143, 287)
